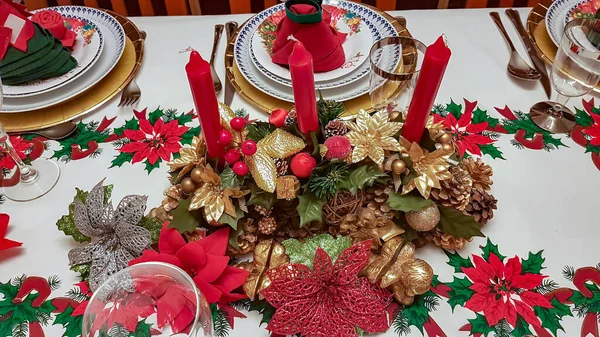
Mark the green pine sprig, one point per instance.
(568, 272)
(324, 182)
(328, 110)
(259, 130)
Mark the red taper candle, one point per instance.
(205, 100)
(430, 77)
(303, 84)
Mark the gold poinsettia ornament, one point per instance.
(371, 135)
(213, 198)
(277, 145)
(189, 157)
(429, 168)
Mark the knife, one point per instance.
(230, 29)
(538, 63)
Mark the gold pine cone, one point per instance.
(446, 241)
(376, 199)
(481, 206)
(480, 173)
(454, 192)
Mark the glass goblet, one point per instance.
(575, 72)
(395, 65)
(159, 298)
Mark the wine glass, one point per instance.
(155, 298)
(575, 72)
(395, 65)
(35, 179)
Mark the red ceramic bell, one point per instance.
(306, 21)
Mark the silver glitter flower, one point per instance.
(116, 236)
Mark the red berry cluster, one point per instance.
(233, 155)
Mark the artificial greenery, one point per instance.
(325, 181)
(329, 110)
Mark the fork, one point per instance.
(132, 92)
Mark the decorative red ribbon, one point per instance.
(433, 329)
(77, 153)
(37, 149)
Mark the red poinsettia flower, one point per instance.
(153, 142)
(466, 135)
(204, 260)
(125, 311)
(329, 301)
(6, 243)
(593, 130)
(85, 289)
(20, 145)
(502, 291)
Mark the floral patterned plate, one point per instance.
(359, 40)
(561, 12)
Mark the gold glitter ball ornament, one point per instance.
(448, 147)
(196, 175)
(424, 220)
(188, 186)
(398, 166)
(445, 138)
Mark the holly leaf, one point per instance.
(458, 262)
(71, 324)
(457, 224)
(551, 317)
(408, 202)
(304, 252)
(155, 115)
(142, 329)
(229, 179)
(460, 292)
(481, 116)
(522, 328)
(153, 226)
(480, 325)
(132, 124)
(184, 118)
(261, 198)
(121, 159)
(491, 150)
(310, 208)
(231, 221)
(184, 220)
(592, 148)
(189, 135)
(533, 263)
(491, 248)
(150, 167)
(264, 308)
(583, 118)
(359, 178)
(454, 109)
(417, 314)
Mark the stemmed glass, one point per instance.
(395, 65)
(155, 297)
(575, 72)
(35, 179)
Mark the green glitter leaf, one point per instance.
(304, 252)
(66, 224)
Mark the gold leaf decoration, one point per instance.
(429, 167)
(189, 157)
(277, 145)
(371, 135)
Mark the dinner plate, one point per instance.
(244, 62)
(559, 14)
(87, 49)
(360, 34)
(114, 44)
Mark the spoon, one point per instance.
(56, 132)
(516, 67)
(215, 77)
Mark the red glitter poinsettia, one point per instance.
(466, 135)
(20, 145)
(329, 301)
(593, 130)
(153, 142)
(204, 260)
(501, 291)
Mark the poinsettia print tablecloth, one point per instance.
(536, 271)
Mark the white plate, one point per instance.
(558, 15)
(114, 44)
(87, 49)
(244, 62)
(359, 36)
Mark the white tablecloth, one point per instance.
(547, 200)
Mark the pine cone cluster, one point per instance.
(454, 192)
(291, 118)
(267, 225)
(281, 166)
(376, 199)
(335, 127)
(481, 206)
(445, 241)
(480, 173)
(247, 239)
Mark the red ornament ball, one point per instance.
(249, 147)
(224, 138)
(278, 117)
(338, 147)
(238, 123)
(232, 156)
(302, 165)
(240, 168)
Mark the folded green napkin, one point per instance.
(39, 45)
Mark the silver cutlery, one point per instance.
(132, 92)
(230, 29)
(517, 67)
(215, 77)
(538, 63)
(56, 132)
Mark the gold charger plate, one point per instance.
(267, 103)
(88, 101)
